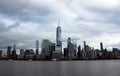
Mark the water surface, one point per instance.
(60, 68)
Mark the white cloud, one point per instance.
(80, 19)
(104, 4)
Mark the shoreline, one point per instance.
(64, 60)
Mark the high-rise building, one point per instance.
(85, 51)
(115, 50)
(29, 54)
(52, 48)
(22, 52)
(69, 40)
(58, 35)
(21, 55)
(79, 52)
(101, 47)
(75, 48)
(79, 48)
(37, 47)
(46, 48)
(9, 52)
(14, 56)
(84, 46)
(72, 47)
(58, 39)
(71, 52)
(57, 54)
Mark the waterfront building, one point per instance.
(9, 52)
(58, 40)
(71, 52)
(21, 55)
(37, 47)
(101, 47)
(29, 54)
(14, 56)
(37, 55)
(116, 52)
(75, 48)
(79, 53)
(46, 48)
(52, 48)
(66, 53)
(57, 54)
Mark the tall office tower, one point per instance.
(79, 48)
(66, 53)
(79, 52)
(71, 52)
(85, 51)
(101, 47)
(9, 52)
(46, 47)
(84, 46)
(14, 56)
(71, 48)
(69, 40)
(58, 35)
(57, 54)
(58, 39)
(52, 48)
(75, 47)
(37, 47)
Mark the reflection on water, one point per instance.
(60, 68)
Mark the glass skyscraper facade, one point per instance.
(58, 36)
(58, 39)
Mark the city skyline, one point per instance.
(55, 51)
(28, 21)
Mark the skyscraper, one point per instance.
(37, 47)
(58, 36)
(71, 51)
(69, 40)
(85, 51)
(58, 39)
(79, 52)
(14, 56)
(57, 54)
(75, 47)
(84, 46)
(9, 52)
(101, 47)
(72, 48)
(46, 48)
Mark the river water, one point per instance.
(60, 68)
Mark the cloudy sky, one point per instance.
(22, 22)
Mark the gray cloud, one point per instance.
(25, 11)
(3, 28)
(24, 21)
(15, 25)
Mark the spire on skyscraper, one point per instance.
(58, 22)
